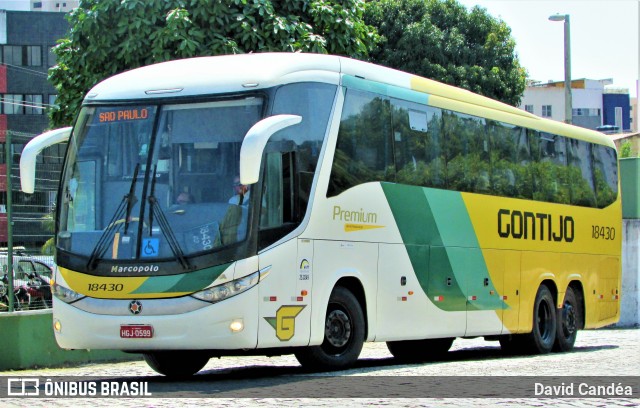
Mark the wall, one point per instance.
(630, 187)
(28, 341)
(630, 298)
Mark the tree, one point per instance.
(441, 40)
(111, 36)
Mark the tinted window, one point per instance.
(466, 152)
(605, 167)
(445, 149)
(418, 145)
(550, 169)
(364, 151)
(580, 173)
(312, 101)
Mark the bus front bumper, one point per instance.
(228, 325)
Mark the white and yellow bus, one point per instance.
(295, 203)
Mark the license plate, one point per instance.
(136, 331)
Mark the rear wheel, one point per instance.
(417, 351)
(543, 336)
(568, 321)
(176, 363)
(343, 334)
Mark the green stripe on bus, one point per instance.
(442, 247)
(423, 241)
(463, 249)
(183, 283)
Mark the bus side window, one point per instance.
(605, 174)
(418, 150)
(580, 173)
(550, 168)
(503, 158)
(364, 151)
(466, 153)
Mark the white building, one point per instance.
(547, 100)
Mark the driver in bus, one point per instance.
(184, 198)
(241, 193)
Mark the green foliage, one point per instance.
(625, 150)
(111, 36)
(48, 224)
(441, 40)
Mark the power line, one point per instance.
(30, 71)
(13, 102)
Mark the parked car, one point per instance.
(31, 282)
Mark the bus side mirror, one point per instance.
(255, 141)
(31, 151)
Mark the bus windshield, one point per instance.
(157, 181)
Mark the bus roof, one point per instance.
(235, 73)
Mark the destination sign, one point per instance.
(124, 115)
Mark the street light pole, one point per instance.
(568, 108)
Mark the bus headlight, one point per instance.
(65, 294)
(224, 291)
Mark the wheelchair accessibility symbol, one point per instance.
(150, 247)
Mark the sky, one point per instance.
(604, 37)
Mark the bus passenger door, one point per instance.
(284, 311)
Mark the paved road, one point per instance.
(480, 369)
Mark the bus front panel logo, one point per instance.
(285, 321)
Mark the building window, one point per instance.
(546, 111)
(34, 55)
(528, 108)
(12, 104)
(52, 101)
(33, 105)
(37, 4)
(52, 59)
(12, 55)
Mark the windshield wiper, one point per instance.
(124, 209)
(165, 227)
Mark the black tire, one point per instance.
(343, 335)
(543, 335)
(568, 322)
(512, 343)
(418, 351)
(176, 364)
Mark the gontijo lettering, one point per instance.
(535, 226)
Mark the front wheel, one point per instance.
(176, 363)
(343, 334)
(568, 321)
